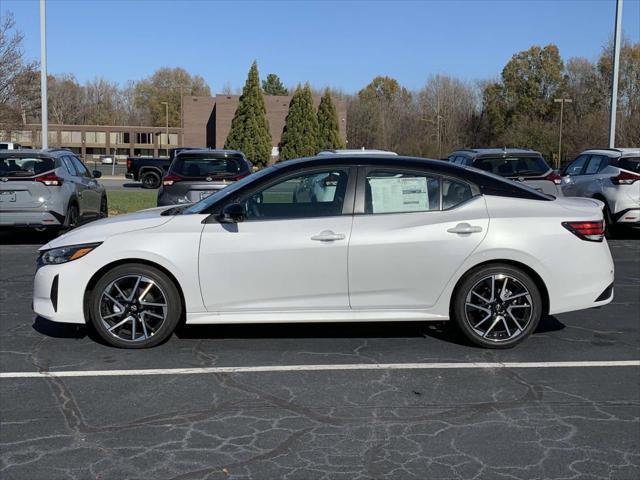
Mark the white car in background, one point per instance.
(389, 239)
(610, 175)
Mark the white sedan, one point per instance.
(390, 239)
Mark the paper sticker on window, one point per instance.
(399, 194)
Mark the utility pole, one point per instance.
(614, 79)
(561, 101)
(166, 111)
(43, 75)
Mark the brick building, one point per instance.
(206, 123)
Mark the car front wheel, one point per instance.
(497, 306)
(135, 306)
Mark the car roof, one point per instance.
(613, 152)
(478, 152)
(204, 151)
(346, 151)
(30, 152)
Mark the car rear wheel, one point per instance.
(497, 306)
(135, 306)
(150, 180)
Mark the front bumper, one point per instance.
(57, 292)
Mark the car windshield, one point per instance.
(198, 166)
(513, 166)
(204, 204)
(630, 163)
(25, 166)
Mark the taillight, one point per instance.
(625, 178)
(242, 175)
(128, 164)
(49, 179)
(170, 179)
(554, 177)
(592, 231)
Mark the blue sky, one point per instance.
(329, 43)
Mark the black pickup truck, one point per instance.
(150, 170)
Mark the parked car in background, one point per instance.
(521, 165)
(611, 175)
(48, 189)
(107, 159)
(150, 170)
(196, 174)
(10, 146)
(390, 239)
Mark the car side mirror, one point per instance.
(232, 213)
(96, 174)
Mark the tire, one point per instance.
(72, 218)
(104, 207)
(505, 322)
(150, 180)
(142, 324)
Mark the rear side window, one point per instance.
(454, 193)
(513, 166)
(191, 166)
(25, 167)
(398, 192)
(596, 163)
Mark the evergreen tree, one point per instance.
(328, 126)
(300, 135)
(273, 86)
(250, 128)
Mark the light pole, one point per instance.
(614, 79)
(561, 101)
(166, 131)
(44, 109)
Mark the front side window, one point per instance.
(398, 192)
(576, 167)
(317, 194)
(79, 166)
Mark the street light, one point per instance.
(614, 75)
(43, 75)
(166, 111)
(561, 101)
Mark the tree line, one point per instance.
(516, 109)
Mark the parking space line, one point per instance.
(320, 368)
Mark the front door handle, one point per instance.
(328, 236)
(463, 228)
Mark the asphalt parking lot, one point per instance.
(355, 417)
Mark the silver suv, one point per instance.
(611, 175)
(48, 189)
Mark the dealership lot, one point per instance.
(305, 418)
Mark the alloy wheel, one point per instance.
(498, 308)
(133, 308)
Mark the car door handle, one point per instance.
(328, 236)
(463, 228)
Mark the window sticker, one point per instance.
(399, 194)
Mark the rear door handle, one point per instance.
(328, 236)
(463, 228)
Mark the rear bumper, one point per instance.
(630, 216)
(30, 218)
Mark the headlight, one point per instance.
(56, 256)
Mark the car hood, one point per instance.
(100, 230)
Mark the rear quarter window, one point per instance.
(629, 163)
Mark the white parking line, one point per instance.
(320, 368)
